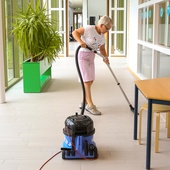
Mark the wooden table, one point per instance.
(156, 91)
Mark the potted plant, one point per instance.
(40, 43)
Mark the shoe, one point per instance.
(81, 105)
(93, 110)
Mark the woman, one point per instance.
(92, 36)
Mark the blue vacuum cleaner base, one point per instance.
(78, 138)
(84, 148)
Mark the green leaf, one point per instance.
(35, 34)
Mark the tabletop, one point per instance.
(158, 88)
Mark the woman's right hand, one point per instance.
(83, 45)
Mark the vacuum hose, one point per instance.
(81, 80)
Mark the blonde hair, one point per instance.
(106, 20)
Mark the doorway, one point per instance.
(77, 23)
(77, 20)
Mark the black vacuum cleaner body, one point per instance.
(78, 131)
(78, 142)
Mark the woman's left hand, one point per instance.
(106, 60)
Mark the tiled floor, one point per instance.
(31, 125)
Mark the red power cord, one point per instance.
(49, 159)
(81, 156)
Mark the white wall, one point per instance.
(133, 36)
(84, 12)
(90, 8)
(70, 18)
(2, 78)
(96, 8)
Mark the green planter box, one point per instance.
(35, 75)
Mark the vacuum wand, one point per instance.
(108, 65)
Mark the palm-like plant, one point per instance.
(35, 34)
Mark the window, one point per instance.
(146, 22)
(118, 32)
(145, 67)
(143, 1)
(57, 13)
(154, 39)
(163, 65)
(13, 55)
(164, 23)
(161, 23)
(168, 15)
(9, 41)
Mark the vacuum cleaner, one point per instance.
(78, 131)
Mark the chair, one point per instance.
(156, 108)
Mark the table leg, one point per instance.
(135, 113)
(149, 129)
(168, 124)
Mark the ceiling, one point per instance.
(75, 3)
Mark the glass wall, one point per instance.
(161, 23)
(9, 40)
(146, 22)
(145, 67)
(117, 42)
(143, 1)
(149, 35)
(154, 38)
(57, 13)
(168, 16)
(13, 56)
(164, 23)
(163, 65)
